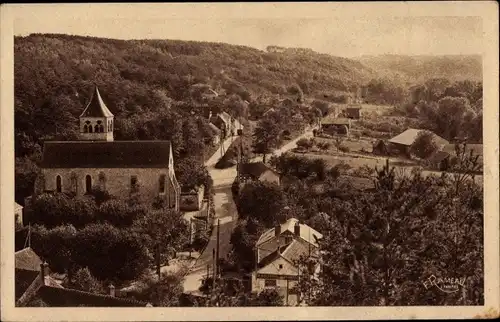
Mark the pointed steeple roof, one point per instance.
(96, 106)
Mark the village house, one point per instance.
(34, 283)
(443, 159)
(122, 168)
(191, 198)
(402, 143)
(216, 134)
(336, 126)
(277, 252)
(258, 171)
(353, 112)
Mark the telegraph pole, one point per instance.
(217, 252)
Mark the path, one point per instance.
(225, 211)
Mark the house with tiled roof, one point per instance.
(258, 171)
(278, 251)
(96, 160)
(403, 141)
(34, 284)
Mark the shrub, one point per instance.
(344, 148)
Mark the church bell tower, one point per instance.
(96, 121)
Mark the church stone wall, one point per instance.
(117, 181)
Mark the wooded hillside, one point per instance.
(423, 68)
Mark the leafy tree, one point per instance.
(377, 247)
(305, 143)
(190, 172)
(84, 281)
(261, 201)
(165, 292)
(243, 240)
(110, 253)
(55, 246)
(424, 145)
(163, 228)
(266, 137)
(268, 298)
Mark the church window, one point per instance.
(85, 128)
(58, 184)
(96, 128)
(88, 183)
(162, 183)
(90, 128)
(101, 128)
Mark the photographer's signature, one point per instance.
(445, 284)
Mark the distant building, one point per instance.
(33, 282)
(258, 171)
(216, 134)
(228, 125)
(336, 126)
(278, 249)
(18, 214)
(443, 159)
(353, 112)
(401, 143)
(96, 160)
(192, 198)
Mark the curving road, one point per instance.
(225, 211)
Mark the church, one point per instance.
(96, 160)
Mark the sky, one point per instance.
(340, 29)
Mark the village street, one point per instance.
(225, 211)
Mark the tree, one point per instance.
(243, 240)
(268, 298)
(261, 201)
(424, 145)
(266, 137)
(305, 144)
(84, 281)
(190, 172)
(111, 253)
(164, 228)
(377, 247)
(165, 292)
(338, 142)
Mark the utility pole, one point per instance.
(190, 235)
(217, 253)
(158, 271)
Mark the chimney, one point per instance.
(277, 230)
(44, 271)
(296, 229)
(112, 290)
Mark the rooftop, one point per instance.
(408, 137)
(27, 259)
(254, 169)
(96, 106)
(101, 154)
(306, 233)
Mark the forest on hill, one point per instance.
(423, 68)
(154, 88)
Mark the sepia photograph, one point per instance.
(250, 155)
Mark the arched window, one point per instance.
(96, 128)
(90, 128)
(101, 128)
(58, 183)
(111, 125)
(162, 183)
(88, 183)
(85, 128)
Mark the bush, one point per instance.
(323, 145)
(344, 148)
(305, 144)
